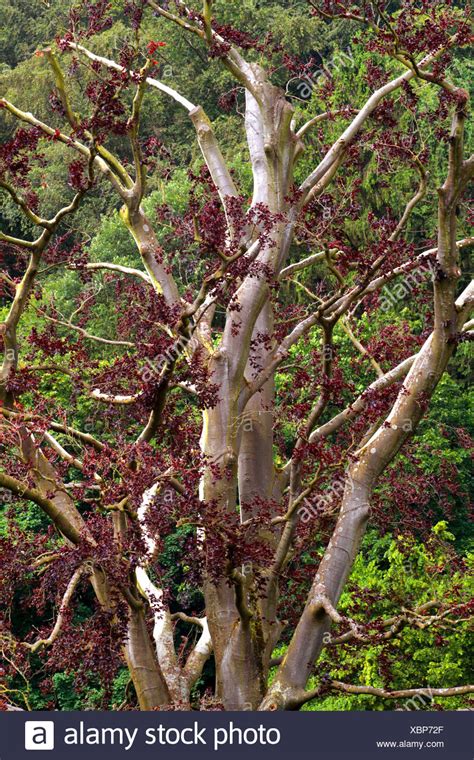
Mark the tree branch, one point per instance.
(118, 400)
(299, 698)
(56, 134)
(119, 268)
(47, 505)
(66, 600)
(304, 263)
(327, 115)
(149, 80)
(86, 334)
(452, 691)
(339, 148)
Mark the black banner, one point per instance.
(176, 735)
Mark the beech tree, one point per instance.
(188, 387)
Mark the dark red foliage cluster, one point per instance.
(17, 553)
(346, 8)
(232, 36)
(90, 645)
(376, 75)
(419, 29)
(92, 17)
(228, 101)
(78, 178)
(233, 542)
(424, 27)
(299, 68)
(133, 10)
(413, 504)
(55, 103)
(392, 344)
(18, 155)
(110, 114)
(203, 230)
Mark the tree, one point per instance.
(199, 361)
